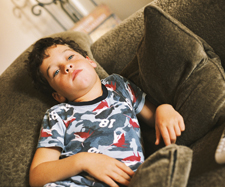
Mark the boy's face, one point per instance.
(68, 73)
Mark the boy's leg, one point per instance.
(168, 167)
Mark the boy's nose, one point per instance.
(68, 68)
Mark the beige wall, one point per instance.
(124, 8)
(12, 39)
(16, 34)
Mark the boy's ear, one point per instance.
(93, 63)
(58, 97)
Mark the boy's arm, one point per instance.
(167, 121)
(46, 167)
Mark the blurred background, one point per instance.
(25, 21)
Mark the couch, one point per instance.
(172, 49)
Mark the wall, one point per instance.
(20, 28)
(13, 39)
(124, 8)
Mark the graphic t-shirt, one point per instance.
(107, 125)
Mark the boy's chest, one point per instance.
(101, 126)
(110, 113)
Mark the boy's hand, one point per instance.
(168, 123)
(107, 169)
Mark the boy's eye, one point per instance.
(56, 72)
(70, 57)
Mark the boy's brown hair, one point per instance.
(38, 54)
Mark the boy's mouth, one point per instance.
(75, 73)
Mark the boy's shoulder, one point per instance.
(58, 107)
(119, 84)
(115, 78)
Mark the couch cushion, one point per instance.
(22, 110)
(175, 66)
(203, 17)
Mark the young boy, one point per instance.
(93, 137)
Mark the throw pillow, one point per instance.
(175, 66)
(169, 166)
(203, 17)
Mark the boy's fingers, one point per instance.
(110, 181)
(177, 130)
(120, 179)
(172, 134)
(121, 174)
(165, 135)
(158, 135)
(181, 124)
(127, 170)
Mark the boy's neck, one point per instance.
(95, 92)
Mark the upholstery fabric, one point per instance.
(204, 170)
(23, 108)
